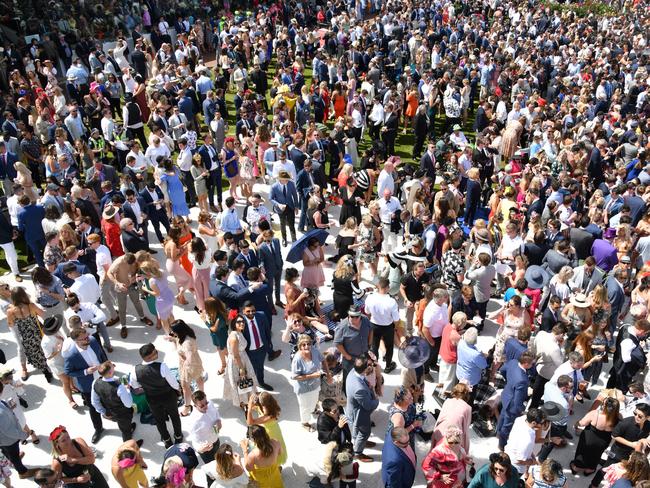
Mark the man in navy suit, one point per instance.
(153, 205)
(29, 223)
(227, 294)
(284, 197)
(398, 460)
(247, 255)
(515, 394)
(211, 162)
(7, 171)
(270, 257)
(82, 364)
(305, 181)
(616, 295)
(258, 335)
(134, 209)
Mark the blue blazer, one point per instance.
(252, 262)
(7, 165)
(397, 471)
(361, 402)
(615, 296)
(75, 366)
(205, 157)
(264, 328)
(515, 393)
(271, 260)
(29, 222)
(277, 196)
(303, 185)
(233, 299)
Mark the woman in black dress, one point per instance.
(352, 200)
(82, 473)
(596, 435)
(317, 217)
(345, 286)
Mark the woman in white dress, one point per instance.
(52, 345)
(238, 365)
(227, 469)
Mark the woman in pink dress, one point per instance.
(456, 411)
(444, 466)
(312, 260)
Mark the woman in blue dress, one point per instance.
(175, 190)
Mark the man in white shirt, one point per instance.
(388, 207)
(184, 162)
(204, 426)
(283, 164)
(573, 369)
(385, 180)
(384, 316)
(521, 441)
(376, 118)
(103, 261)
(357, 121)
(90, 315)
(113, 400)
(85, 286)
(434, 320)
(549, 354)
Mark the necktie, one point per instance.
(575, 382)
(585, 281)
(256, 335)
(284, 192)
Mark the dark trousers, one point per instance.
(124, 422)
(303, 215)
(139, 133)
(37, 249)
(506, 421)
(12, 453)
(387, 333)
(347, 367)
(419, 144)
(163, 409)
(482, 312)
(274, 286)
(434, 350)
(257, 357)
(538, 391)
(214, 182)
(158, 220)
(598, 477)
(208, 456)
(389, 141)
(288, 218)
(374, 131)
(95, 416)
(188, 181)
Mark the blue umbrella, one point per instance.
(298, 247)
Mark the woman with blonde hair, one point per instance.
(227, 469)
(559, 285)
(24, 178)
(263, 141)
(444, 466)
(345, 286)
(68, 237)
(158, 286)
(174, 250)
(505, 205)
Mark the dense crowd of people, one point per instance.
(457, 168)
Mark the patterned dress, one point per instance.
(30, 336)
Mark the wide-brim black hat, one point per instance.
(52, 324)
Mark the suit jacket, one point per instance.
(147, 205)
(579, 275)
(175, 120)
(75, 366)
(67, 282)
(303, 183)
(7, 161)
(554, 261)
(110, 174)
(549, 320)
(270, 258)
(329, 430)
(251, 262)
(127, 211)
(615, 296)
(298, 158)
(391, 124)
(133, 242)
(515, 393)
(228, 295)
(397, 470)
(361, 401)
(207, 160)
(428, 165)
(581, 240)
(277, 196)
(29, 222)
(264, 329)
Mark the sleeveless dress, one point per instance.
(164, 301)
(182, 278)
(232, 371)
(312, 275)
(366, 254)
(230, 169)
(191, 368)
(591, 445)
(185, 259)
(97, 480)
(268, 476)
(176, 193)
(273, 430)
(30, 336)
(220, 337)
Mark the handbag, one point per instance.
(245, 385)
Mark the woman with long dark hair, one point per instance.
(498, 473)
(200, 259)
(261, 455)
(189, 361)
(215, 317)
(238, 365)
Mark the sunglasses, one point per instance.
(499, 470)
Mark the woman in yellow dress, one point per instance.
(267, 409)
(261, 454)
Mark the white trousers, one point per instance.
(307, 404)
(11, 257)
(447, 375)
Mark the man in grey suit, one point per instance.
(361, 402)
(616, 296)
(284, 197)
(586, 277)
(559, 257)
(270, 257)
(100, 172)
